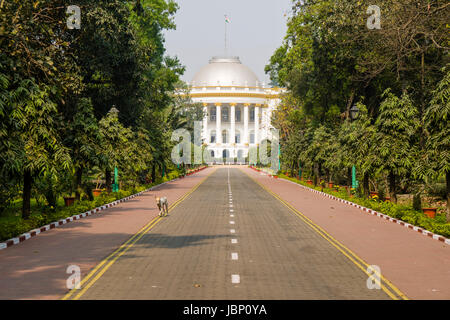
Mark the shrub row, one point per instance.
(11, 227)
(401, 212)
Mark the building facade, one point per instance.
(237, 108)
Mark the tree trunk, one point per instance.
(26, 198)
(154, 173)
(366, 187)
(316, 174)
(78, 177)
(417, 202)
(447, 177)
(292, 168)
(392, 187)
(349, 180)
(108, 180)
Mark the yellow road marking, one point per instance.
(337, 245)
(124, 247)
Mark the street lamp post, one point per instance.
(279, 157)
(354, 113)
(299, 170)
(115, 186)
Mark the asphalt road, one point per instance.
(230, 239)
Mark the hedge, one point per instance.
(397, 211)
(13, 226)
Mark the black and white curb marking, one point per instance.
(35, 232)
(375, 213)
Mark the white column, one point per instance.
(257, 124)
(205, 123)
(246, 123)
(233, 124)
(218, 123)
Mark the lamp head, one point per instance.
(354, 112)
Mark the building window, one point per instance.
(212, 114)
(225, 114)
(225, 154)
(224, 136)
(212, 154)
(238, 115)
(213, 136)
(252, 137)
(240, 156)
(237, 137)
(252, 114)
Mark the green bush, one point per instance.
(11, 228)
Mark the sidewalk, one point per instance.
(36, 268)
(418, 265)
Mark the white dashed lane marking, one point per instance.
(235, 278)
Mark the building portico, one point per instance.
(237, 115)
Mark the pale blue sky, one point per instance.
(256, 30)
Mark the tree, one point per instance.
(39, 149)
(395, 143)
(83, 138)
(436, 158)
(117, 141)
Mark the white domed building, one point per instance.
(237, 108)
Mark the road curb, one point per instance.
(35, 232)
(372, 212)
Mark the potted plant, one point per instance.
(69, 200)
(309, 181)
(352, 192)
(97, 191)
(429, 211)
(373, 194)
(322, 184)
(330, 185)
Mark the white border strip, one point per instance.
(35, 232)
(427, 233)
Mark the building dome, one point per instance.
(225, 71)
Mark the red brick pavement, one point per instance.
(36, 268)
(418, 265)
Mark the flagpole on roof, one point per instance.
(227, 20)
(226, 53)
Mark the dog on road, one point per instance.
(163, 205)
